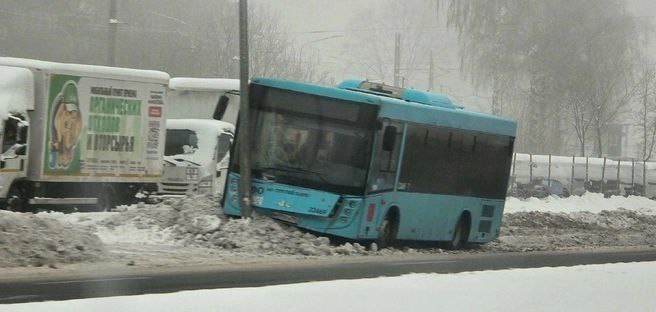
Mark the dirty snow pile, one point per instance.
(587, 221)
(29, 240)
(193, 221)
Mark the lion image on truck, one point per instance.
(78, 135)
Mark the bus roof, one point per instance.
(118, 73)
(439, 114)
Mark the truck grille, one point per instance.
(176, 188)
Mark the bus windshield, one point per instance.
(311, 141)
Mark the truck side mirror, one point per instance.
(389, 138)
(221, 107)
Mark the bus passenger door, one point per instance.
(382, 176)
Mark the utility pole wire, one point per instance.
(113, 30)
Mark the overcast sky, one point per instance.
(322, 28)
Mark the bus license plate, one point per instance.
(285, 217)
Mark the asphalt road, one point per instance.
(41, 289)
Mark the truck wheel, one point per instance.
(106, 199)
(16, 200)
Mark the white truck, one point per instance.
(202, 113)
(196, 156)
(96, 134)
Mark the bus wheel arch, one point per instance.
(461, 231)
(389, 228)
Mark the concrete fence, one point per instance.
(580, 174)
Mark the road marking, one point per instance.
(95, 280)
(423, 262)
(18, 297)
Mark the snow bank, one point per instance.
(535, 224)
(591, 202)
(534, 230)
(193, 221)
(596, 288)
(29, 240)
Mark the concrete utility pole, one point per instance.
(397, 59)
(430, 71)
(244, 115)
(113, 29)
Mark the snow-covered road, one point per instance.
(598, 288)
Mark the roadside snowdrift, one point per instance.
(193, 221)
(592, 202)
(529, 231)
(28, 240)
(190, 229)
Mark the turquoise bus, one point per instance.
(371, 162)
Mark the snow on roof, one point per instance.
(209, 125)
(203, 84)
(16, 91)
(119, 73)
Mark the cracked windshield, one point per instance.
(313, 155)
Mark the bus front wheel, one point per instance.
(387, 232)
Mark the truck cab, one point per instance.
(196, 157)
(16, 97)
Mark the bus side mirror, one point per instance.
(22, 135)
(389, 138)
(221, 107)
(21, 150)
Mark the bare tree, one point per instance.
(568, 57)
(372, 40)
(645, 116)
(185, 38)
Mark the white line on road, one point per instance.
(422, 262)
(18, 297)
(95, 280)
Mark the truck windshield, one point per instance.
(180, 141)
(311, 141)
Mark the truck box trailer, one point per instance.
(78, 134)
